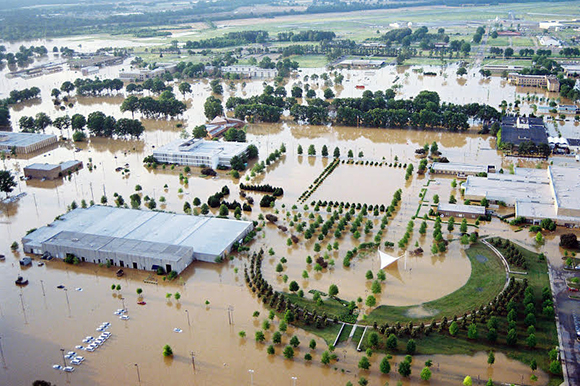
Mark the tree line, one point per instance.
(230, 39)
(165, 106)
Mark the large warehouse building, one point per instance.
(24, 143)
(137, 239)
(536, 194)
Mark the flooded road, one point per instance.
(37, 321)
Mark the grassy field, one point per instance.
(310, 61)
(443, 343)
(486, 281)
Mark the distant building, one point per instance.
(137, 239)
(219, 125)
(361, 63)
(549, 82)
(508, 33)
(548, 41)
(86, 71)
(500, 68)
(90, 60)
(536, 194)
(199, 152)
(461, 170)
(251, 72)
(51, 171)
(568, 109)
(457, 210)
(144, 74)
(574, 144)
(571, 71)
(516, 130)
(25, 143)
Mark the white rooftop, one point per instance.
(455, 166)
(203, 147)
(22, 139)
(462, 208)
(566, 182)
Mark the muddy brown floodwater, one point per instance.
(38, 320)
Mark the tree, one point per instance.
(492, 335)
(199, 131)
(533, 364)
(7, 183)
(271, 350)
(531, 341)
(461, 71)
(569, 241)
(184, 88)
(404, 368)
(288, 352)
(328, 94)
(467, 381)
(177, 296)
(333, 290)
(453, 328)
(369, 275)
(508, 52)
(489, 382)
(436, 199)
(131, 103)
(463, 227)
(139, 291)
(364, 363)
(324, 151)
(539, 238)
(300, 151)
(472, 331)
(78, 122)
(391, 342)
(293, 286)
(277, 337)
(371, 301)
(376, 287)
(213, 107)
(385, 366)
(336, 153)
(294, 341)
(490, 358)
(512, 337)
(42, 121)
(311, 150)
(223, 210)
(259, 336)
(411, 347)
(426, 374)
(167, 351)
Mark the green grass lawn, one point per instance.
(443, 343)
(345, 333)
(328, 334)
(310, 61)
(485, 282)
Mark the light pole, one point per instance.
(251, 377)
(294, 381)
(2, 353)
(193, 361)
(63, 359)
(23, 310)
(42, 285)
(188, 323)
(67, 301)
(138, 375)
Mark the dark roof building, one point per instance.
(516, 130)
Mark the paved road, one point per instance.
(566, 330)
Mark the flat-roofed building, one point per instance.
(500, 68)
(460, 170)
(361, 63)
(51, 171)
(458, 210)
(137, 238)
(549, 82)
(143, 74)
(199, 152)
(516, 130)
(24, 143)
(246, 71)
(535, 194)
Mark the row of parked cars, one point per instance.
(92, 344)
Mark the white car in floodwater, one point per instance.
(68, 369)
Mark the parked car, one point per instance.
(69, 369)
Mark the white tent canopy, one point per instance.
(387, 259)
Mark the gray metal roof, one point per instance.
(205, 235)
(22, 139)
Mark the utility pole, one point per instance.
(251, 377)
(67, 301)
(231, 314)
(23, 310)
(188, 323)
(42, 285)
(2, 353)
(63, 359)
(193, 361)
(138, 375)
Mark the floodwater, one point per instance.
(36, 321)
